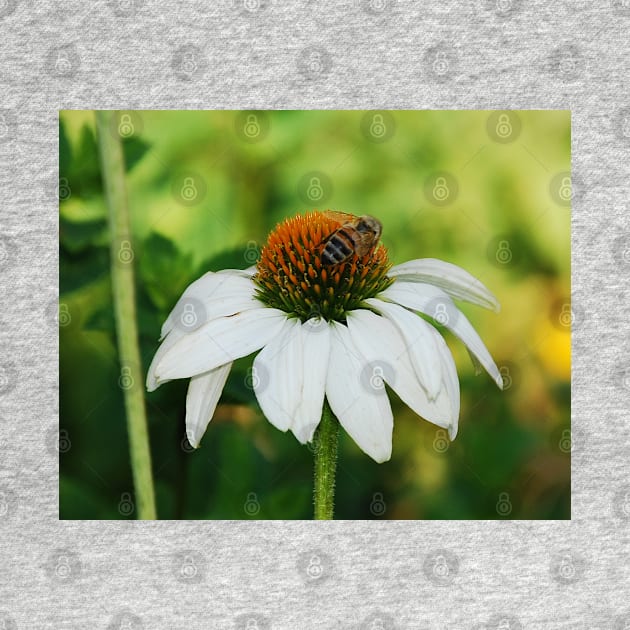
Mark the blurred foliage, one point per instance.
(513, 445)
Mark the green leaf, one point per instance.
(164, 270)
(134, 149)
(65, 151)
(77, 237)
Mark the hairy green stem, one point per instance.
(122, 274)
(326, 439)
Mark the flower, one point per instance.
(338, 332)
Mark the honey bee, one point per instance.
(356, 235)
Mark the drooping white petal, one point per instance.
(152, 381)
(434, 302)
(203, 395)
(383, 346)
(218, 342)
(457, 282)
(211, 296)
(419, 341)
(278, 375)
(364, 412)
(316, 344)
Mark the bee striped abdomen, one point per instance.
(338, 247)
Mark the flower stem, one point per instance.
(326, 440)
(122, 274)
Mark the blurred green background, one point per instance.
(489, 191)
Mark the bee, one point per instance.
(356, 235)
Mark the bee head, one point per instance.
(369, 225)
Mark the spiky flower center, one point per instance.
(291, 276)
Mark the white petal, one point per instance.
(364, 413)
(427, 299)
(152, 381)
(419, 341)
(316, 343)
(218, 342)
(457, 282)
(203, 395)
(278, 375)
(383, 346)
(211, 296)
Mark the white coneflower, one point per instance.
(324, 332)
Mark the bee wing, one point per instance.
(340, 217)
(366, 241)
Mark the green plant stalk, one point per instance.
(122, 274)
(326, 440)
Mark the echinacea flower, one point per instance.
(335, 332)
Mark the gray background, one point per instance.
(379, 54)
